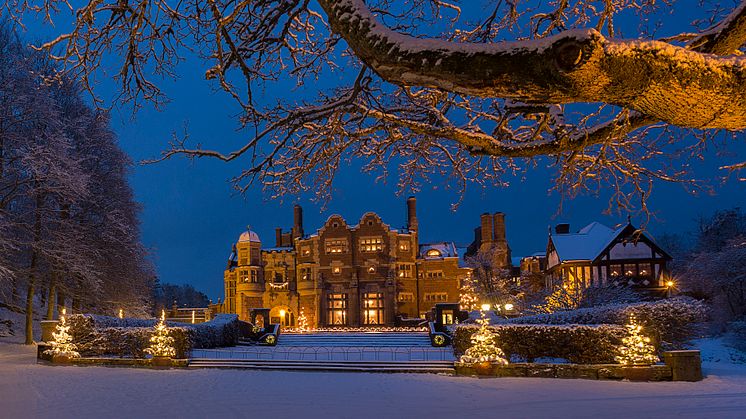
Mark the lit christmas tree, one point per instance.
(468, 297)
(161, 344)
(483, 347)
(636, 348)
(63, 343)
(302, 322)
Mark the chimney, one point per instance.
(297, 221)
(563, 228)
(412, 213)
(499, 226)
(487, 231)
(278, 237)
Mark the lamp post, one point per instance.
(669, 288)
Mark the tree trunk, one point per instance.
(32, 271)
(52, 296)
(60, 300)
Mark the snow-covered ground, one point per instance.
(29, 390)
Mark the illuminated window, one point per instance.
(371, 244)
(436, 297)
(254, 276)
(434, 274)
(405, 270)
(336, 246)
(371, 269)
(243, 257)
(373, 308)
(404, 245)
(243, 274)
(645, 269)
(306, 274)
(405, 297)
(435, 253)
(305, 251)
(336, 270)
(630, 270)
(336, 309)
(615, 270)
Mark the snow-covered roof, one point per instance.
(444, 250)
(278, 249)
(248, 236)
(586, 244)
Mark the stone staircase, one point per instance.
(334, 351)
(327, 365)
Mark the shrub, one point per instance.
(111, 336)
(580, 344)
(671, 321)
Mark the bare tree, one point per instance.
(434, 91)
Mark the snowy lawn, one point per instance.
(31, 390)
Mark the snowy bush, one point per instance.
(581, 344)
(111, 336)
(670, 321)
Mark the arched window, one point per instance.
(433, 253)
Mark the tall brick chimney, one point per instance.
(499, 226)
(487, 230)
(278, 237)
(297, 221)
(412, 213)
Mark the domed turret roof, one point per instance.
(248, 236)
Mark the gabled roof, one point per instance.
(446, 250)
(586, 244)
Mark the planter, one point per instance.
(638, 373)
(161, 361)
(483, 368)
(61, 359)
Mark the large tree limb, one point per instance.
(726, 37)
(670, 83)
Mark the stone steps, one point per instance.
(355, 340)
(349, 366)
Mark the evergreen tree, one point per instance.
(63, 342)
(484, 347)
(636, 348)
(161, 344)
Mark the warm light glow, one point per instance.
(486, 307)
(121, 313)
(62, 345)
(508, 307)
(192, 316)
(282, 313)
(669, 284)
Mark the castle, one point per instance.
(358, 275)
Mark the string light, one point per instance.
(121, 313)
(636, 348)
(484, 348)
(302, 322)
(63, 342)
(161, 344)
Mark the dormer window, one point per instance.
(433, 253)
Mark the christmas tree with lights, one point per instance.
(302, 322)
(62, 345)
(161, 344)
(468, 297)
(484, 347)
(636, 348)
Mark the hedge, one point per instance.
(671, 321)
(111, 336)
(578, 344)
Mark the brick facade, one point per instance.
(365, 274)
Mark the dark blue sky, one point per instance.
(191, 216)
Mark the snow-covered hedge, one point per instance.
(671, 321)
(580, 344)
(110, 336)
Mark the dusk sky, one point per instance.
(191, 216)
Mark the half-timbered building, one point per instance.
(597, 255)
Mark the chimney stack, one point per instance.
(297, 221)
(499, 226)
(487, 229)
(563, 228)
(278, 237)
(412, 213)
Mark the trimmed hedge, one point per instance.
(671, 321)
(579, 344)
(111, 336)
